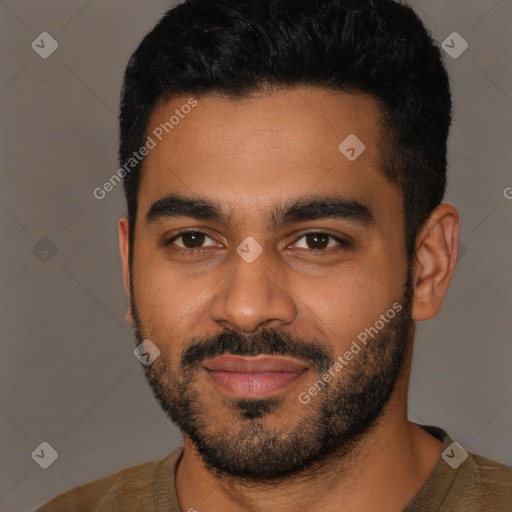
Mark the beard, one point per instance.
(254, 444)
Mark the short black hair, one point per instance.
(235, 48)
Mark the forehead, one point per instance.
(279, 145)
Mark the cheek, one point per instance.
(165, 297)
(172, 299)
(162, 297)
(350, 300)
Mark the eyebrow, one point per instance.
(302, 209)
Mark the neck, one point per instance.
(384, 472)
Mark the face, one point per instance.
(269, 269)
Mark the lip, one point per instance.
(254, 376)
(254, 364)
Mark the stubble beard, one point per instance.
(256, 444)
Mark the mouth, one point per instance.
(254, 376)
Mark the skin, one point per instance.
(249, 156)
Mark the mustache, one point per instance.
(269, 342)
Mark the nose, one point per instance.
(252, 296)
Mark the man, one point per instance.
(284, 164)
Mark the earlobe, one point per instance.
(128, 316)
(124, 252)
(437, 249)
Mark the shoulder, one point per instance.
(494, 480)
(131, 487)
(463, 481)
(478, 483)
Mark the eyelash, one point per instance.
(343, 244)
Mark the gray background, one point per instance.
(69, 376)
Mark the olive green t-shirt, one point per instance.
(460, 482)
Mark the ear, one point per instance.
(124, 250)
(437, 250)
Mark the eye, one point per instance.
(191, 241)
(319, 241)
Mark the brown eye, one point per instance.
(192, 239)
(318, 241)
